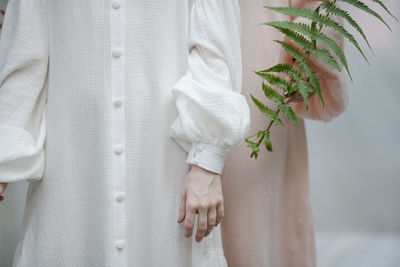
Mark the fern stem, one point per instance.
(325, 17)
(263, 135)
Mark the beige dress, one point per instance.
(268, 219)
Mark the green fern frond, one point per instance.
(321, 19)
(314, 35)
(294, 26)
(314, 24)
(281, 67)
(267, 141)
(301, 84)
(327, 57)
(288, 69)
(385, 8)
(275, 80)
(272, 95)
(299, 39)
(293, 11)
(267, 111)
(364, 7)
(295, 74)
(292, 72)
(292, 51)
(312, 75)
(336, 49)
(332, 9)
(307, 47)
(288, 112)
(254, 146)
(315, 83)
(336, 26)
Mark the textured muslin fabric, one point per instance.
(268, 220)
(104, 105)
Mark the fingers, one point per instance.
(220, 211)
(212, 220)
(182, 207)
(189, 219)
(209, 215)
(296, 97)
(202, 222)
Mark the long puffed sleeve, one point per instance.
(23, 90)
(332, 82)
(213, 115)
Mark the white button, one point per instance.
(120, 244)
(116, 4)
(117, 102)
(120, 197)
(118, 149)
(116, 52)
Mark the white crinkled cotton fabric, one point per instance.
(104, 104)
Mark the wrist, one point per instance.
(201, 169)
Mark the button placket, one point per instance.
(117, 52)
(117, 58)
(120, 197)
(117, 103)
(120, 244)
(116, 4)
(118, 149)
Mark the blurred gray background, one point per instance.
(354, 161)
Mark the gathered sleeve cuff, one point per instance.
(333, 83)
(23, 90)
(213, 115)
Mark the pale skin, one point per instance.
(201, 194)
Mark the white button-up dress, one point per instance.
(104, 104)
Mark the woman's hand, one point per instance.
(202, 194)
(2, 188)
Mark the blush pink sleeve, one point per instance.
(332, 82)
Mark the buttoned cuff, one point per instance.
(209, 157)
